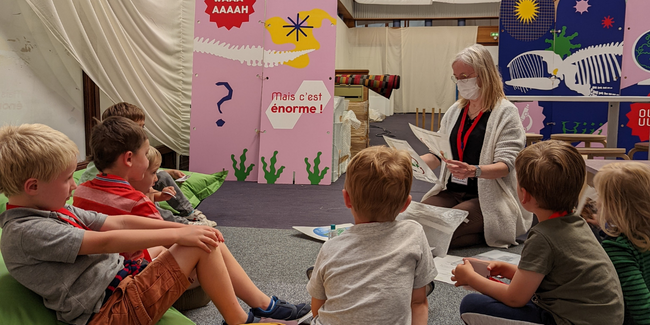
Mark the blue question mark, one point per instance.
(228, 97)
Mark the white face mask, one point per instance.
(468, 88)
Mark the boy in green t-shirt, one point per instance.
(563, 267)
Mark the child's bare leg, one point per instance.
(245, 289)
(155, 251)
(214, 278)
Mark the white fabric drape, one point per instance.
(421, 56)
(37, 74)
(135, 51)
(427, 54)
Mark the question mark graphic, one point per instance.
(228, 97)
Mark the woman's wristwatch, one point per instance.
(477, 173)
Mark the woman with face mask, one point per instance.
(486, 135)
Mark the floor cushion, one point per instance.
(198, 187)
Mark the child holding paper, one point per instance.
(563, 267)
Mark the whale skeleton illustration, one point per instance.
(251, 55)
(580, 71)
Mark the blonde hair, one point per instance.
(480, 59)
(32, 151)
(378, 181)
(154, 157)
(624, 201)
(553, 172)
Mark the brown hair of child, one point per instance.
(113, 137)
(553, 172)
(378, 180)
(124, 109)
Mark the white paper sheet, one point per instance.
(322, 233)
(435, 141)
(497, 255)
(444, 265)
(421, 170)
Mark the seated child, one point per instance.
(150, 178)
(165, 178)
(69, 256)
(377, 271)
(624, 215)
(119, 148)
(563, 268)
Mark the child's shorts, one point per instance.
(143, 299)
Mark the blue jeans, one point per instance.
(481, 309)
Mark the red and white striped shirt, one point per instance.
(113, 195)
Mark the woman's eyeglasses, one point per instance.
(463, 78)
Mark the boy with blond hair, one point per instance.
(69, 257)
(165, 177)
(145, 186)
(377, 271)
(563, 267)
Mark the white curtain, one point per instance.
(39, 81)
(135, 51)
(421, 56)
(427, 54)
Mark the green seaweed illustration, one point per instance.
(240, 173)
(271, 175)
(317, 175)
(586, 129)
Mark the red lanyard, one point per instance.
(76, 223)
(558, 214)
(460, 142)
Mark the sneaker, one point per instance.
(195, 223)
(198, 216)
(282, 310)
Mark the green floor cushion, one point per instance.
(198, 187)
(19, 305)
(3, 202)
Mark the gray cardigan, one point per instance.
(503, 216)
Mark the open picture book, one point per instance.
(437, 143)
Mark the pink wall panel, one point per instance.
(252, 60)
(305, 84)
(233, 56)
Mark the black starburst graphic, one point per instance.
(297, 27)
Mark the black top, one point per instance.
(472, 151)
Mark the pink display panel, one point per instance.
(250, 55)
(297, 104)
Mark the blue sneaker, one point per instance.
(282, 310)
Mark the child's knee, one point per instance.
(473, 302)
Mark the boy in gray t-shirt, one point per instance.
(376, 272)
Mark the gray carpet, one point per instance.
(276, 260)
(256, 220)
